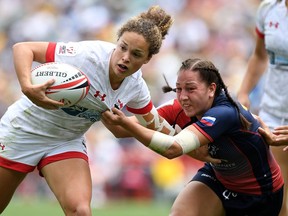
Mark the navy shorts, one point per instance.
(238, 204)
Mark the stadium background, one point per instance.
(219, 30)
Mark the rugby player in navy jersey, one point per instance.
(248, 180)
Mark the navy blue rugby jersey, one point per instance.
(248, 165)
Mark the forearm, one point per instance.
(257, 65)
(142, 134)
(256, 68)
(23, 59)
(117, 130)
(168, 146)
(23, 55)
(154, 121)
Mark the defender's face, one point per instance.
(193, 94)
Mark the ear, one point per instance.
(212, 89)
(148, 59)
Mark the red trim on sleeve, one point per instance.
(17, 166)
(260, 34)
(50, 52)
(203, 132)
(143, 110)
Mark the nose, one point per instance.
(126, 57)
(182, 95)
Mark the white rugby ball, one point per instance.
(71, 85)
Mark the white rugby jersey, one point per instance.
(272, 25)
(91, 57)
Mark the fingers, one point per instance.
(283, 130)
(116, 111)
(214, 160)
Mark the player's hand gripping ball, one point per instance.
(71, 85)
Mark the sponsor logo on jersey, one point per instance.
(66, 50)
(2, 146)
(119, 104)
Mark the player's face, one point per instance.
(193, 94)
(130, 54)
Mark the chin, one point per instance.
(189, 113)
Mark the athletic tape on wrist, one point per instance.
(161, 142)
(158, 125)
(188, 140)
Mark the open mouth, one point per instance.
(122, 67)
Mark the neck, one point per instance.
(115, 83)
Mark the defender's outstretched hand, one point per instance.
(202, 154)
(114, 117)
(279, 137)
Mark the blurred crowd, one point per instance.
(219, 30)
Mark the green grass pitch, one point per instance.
(46, 207)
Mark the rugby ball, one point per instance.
(71, 84)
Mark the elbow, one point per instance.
(17, 45)
(172, 153)
(119, 135)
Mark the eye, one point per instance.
(137, 55)
(122, 47)
(178, 90)
(190, 89)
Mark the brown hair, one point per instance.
(153, 25)
(209, 74)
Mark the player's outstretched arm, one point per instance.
(168, 146)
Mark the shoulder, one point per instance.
(225, 111)
(265, 6)
(98, 45)
(72, 48)
(173, 113)
(267, 3)
(170, 106)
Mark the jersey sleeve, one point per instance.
(69, 53)
(217, 121)
(167, 111)
(261, 13)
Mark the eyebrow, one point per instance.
(135, 50)
(187, 83)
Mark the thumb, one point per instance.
(266, 135)
(262, 132)
(49, 83)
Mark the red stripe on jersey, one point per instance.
(260, 34)
(141, 111)
(17, 166)
(62, 156)
(277, 176)
(50, 52)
